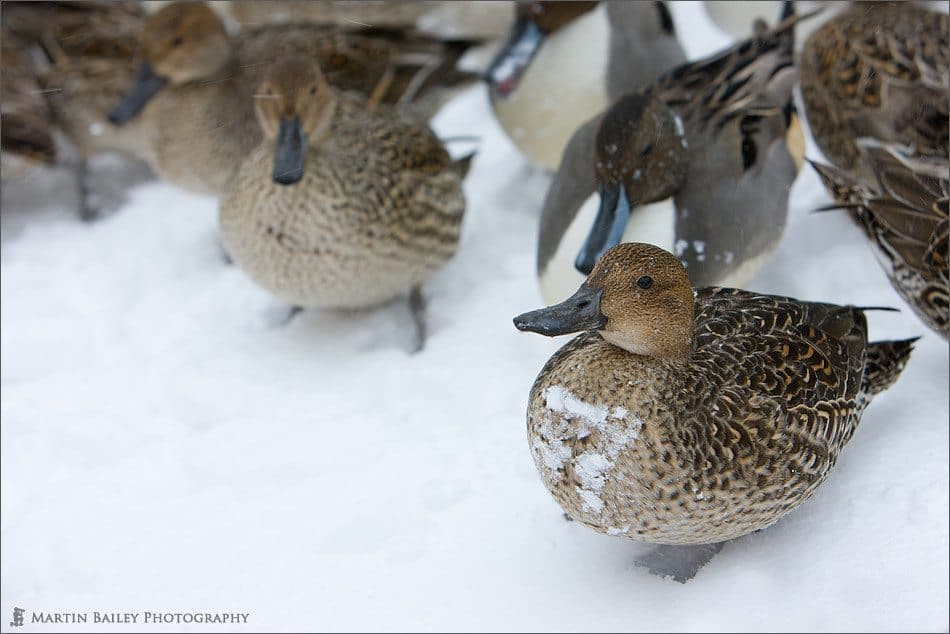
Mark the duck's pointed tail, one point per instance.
(885, 362)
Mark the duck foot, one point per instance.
(88, 210)
(681, 563)
(293, 312)
(417, 306)
(225, 256)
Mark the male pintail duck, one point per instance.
(340, 207)
(198, 83)
(878, 70)
(564, 62)
(905, 216)
(699, 163)
(694, 417)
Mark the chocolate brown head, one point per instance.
(640, 157)
(534, 21)
(638, 297)
(181, 43)
(294, 106)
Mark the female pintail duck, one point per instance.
(26, 130)
(699, 163)
(340, 207)
(905, 216)
(81, 57)
(878, 70)
(694, 417)
(198, 81)
(564, 62)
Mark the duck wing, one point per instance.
(384, 65)
(752, 78)
(799, 353)
(879, 69)
(905, 215)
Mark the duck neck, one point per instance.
(675, 347)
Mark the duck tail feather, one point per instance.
(885, 362)
(889, 309)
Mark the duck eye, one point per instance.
(177, 41)
(646, 149)
(313, 90)
(645, 282)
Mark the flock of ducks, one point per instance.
(686, 412)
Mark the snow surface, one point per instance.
(168, 445)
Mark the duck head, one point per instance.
(534, 21)
(181, 43)
(294, 106)
(639, 158)
(638, 297)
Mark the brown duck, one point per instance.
(879, 70)
(79, 58)
(695, 417)
(340, 206)
(197, 82)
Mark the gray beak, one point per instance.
(505, 71)
(612, 218)
(580, 311)
(290, 152)
(145, 85)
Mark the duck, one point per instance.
(79, 58)
(340, 206)
(195, 82)
(878, 70)
(26, 130)
(553, 74)
(904, 215)
(688, 417)
(673, 162)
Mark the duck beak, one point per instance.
(506, 69)
(580, 311)
(144, 86)
(290, 152)
(612, 218)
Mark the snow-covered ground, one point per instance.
(169, 445)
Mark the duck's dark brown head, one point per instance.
(640, 156)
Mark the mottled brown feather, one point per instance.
(881, 70)
(723, 445)
(904, 214)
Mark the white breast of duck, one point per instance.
(560, 89)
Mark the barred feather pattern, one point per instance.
(881, 70)
(905, 216)
(717, 447)
(378, 211)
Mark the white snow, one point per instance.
(559, 399)
(577, 419)
(167, 445)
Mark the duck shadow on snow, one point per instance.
(389, 326)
